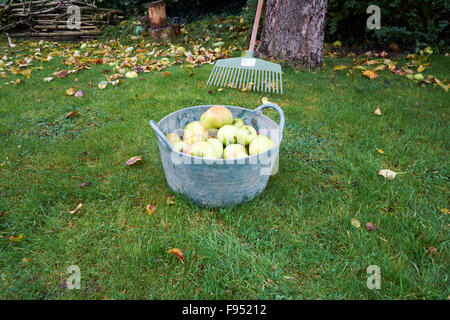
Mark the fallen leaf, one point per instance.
(371, 74)
(48, 79)
(339, 68)
(70, 114)
(150, 209)
(420, 68)
(133, 160)
(356, 223)
(165, 74)
(25, 261)
(380, 151)
(79, 94)
(102, 85)
(84, 184)
(444, 210)
(16, 238)
(170, 200)
(220, 90)
(178, 253)
(76, 209)
(378, 111)
(70, 91)
(370, 226)
(265, 100)
(432, 250)
(389, 174)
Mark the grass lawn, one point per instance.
(294, 241)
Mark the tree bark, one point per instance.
(293, 32)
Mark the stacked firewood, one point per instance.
(55, 19)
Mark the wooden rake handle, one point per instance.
(255, 25)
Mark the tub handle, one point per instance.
(160, 135)
(273, 106)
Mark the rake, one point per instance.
(248, 73)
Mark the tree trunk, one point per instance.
(293, 31)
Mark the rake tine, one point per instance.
(281, 82)
(239, 77)
(270, 81)
(273, 81)
(254, 79)
(260, 87)
(219, 70)
(278, 82)
(227, 70)
(247, 79)
(265, 81)
(214, 70)
(230, 71)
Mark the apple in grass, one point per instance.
(194, 132)
(202, 149)
(234, 151)
(228, 134)
(260, 144)
(216, 117)
(217, 145)
(245, 135)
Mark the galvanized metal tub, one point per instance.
(219, 182)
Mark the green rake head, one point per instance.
(248, 74)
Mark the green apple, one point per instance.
(238, 122)
(234, 151)
(337, 44)
(418, 76)
(202, 149)
(194, 132)
(260, 144)
(173, 137)
(216, 117)
(180, 146)
(216, 144)
(245, 135)
(228, 134)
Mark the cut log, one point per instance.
(162, 34)
(157, 14)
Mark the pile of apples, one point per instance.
(217, 135)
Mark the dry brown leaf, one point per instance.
(133, 160)
(378, 111)
(178, 253)
(371, 74)
(380, 151)
(339, 68)
(72, 113)
(170, 200)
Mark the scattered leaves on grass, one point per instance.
(133, 160)
(378, 111)
(72, 113)
(170, 200)
(339, 68)
(76, 209)
(356, 223)
(389, 174)
(16, 238)
(178, 253)
(150, 209)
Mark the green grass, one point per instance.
(294, 241)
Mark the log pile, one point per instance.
(48, 19)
